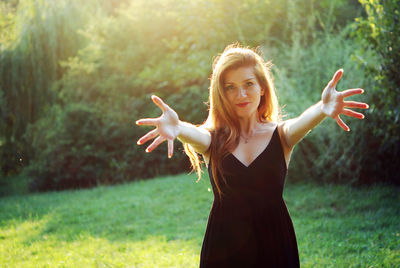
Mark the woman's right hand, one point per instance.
(167, 127)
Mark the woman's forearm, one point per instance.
(295, 129)
(198, 137)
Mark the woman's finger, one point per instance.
(154, 144)
(355, 104)
(351, 92)
(159, 102)
(336, 78)
(353, 114)
(170, 147)
(342, 124)
(147, 121)
(151, 135)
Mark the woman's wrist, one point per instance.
(185, 131)
(322, 108)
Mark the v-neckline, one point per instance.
(255, 159)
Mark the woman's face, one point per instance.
(243, 91)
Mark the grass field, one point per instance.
(161, 223)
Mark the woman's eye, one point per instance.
(228, 87)
(249, 84)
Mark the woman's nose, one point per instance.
(242, 92)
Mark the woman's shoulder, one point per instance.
(271, 126)
(268, 126)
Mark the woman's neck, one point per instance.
(248, 125)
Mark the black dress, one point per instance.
(250, 225)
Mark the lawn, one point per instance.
(161, 223)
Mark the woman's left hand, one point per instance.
(333, 103)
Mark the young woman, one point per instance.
(247, 150)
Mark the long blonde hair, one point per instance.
(222, 121)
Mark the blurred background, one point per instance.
(76, 75)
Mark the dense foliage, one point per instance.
(380, 30)
(34, 40)
(76, 75)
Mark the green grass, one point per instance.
(161, 223)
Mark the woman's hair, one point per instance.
(222, 121)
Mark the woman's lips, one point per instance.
(242, 104)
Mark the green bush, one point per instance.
(78, 146)
(380, 31)
(327, 154)
(68, 151)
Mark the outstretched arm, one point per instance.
(332, 104)
(169, 127)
